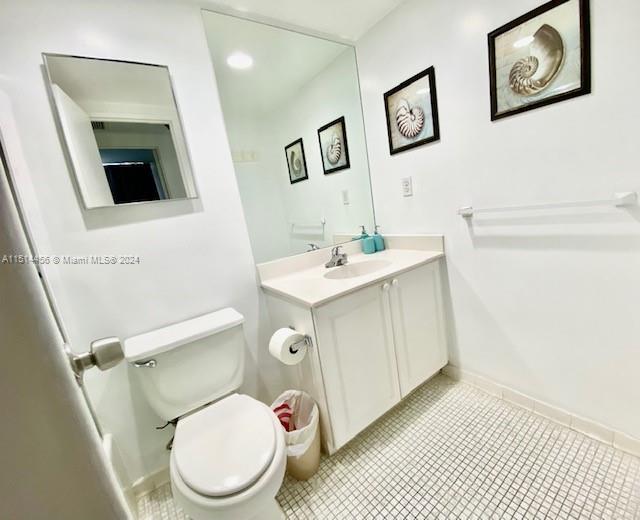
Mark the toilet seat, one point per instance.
(225, 447)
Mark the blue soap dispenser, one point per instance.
(363, 234)
(378, 240)
(367, 244)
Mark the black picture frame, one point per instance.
(431, 73)
(344, 144)
(585, 59)
(289, 147)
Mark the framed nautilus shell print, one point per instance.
(540, 58)
(296, 161)
(333, 146)
(412, 112)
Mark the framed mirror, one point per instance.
(292, 110)
(122, 131)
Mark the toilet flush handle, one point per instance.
(151, 363)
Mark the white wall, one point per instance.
(543, 303)
(264, 211)
(195, 255)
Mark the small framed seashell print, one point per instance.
(540, 58)
(296, 161)
(412, 112)
(334, 147)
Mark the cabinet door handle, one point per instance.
(395, 282)
(386, 286)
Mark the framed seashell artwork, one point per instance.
(296, 161)
(412, 112)
(540, 58)
(334, 148)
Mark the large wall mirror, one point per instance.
(121, 129)
(292, 110)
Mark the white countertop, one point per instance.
(310, 288)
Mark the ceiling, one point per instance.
(344, 19)
(284, 61)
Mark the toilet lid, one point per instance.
(225, 447)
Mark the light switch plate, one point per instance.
(407, 187)
(345, 197)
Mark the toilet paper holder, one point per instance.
(294, 348)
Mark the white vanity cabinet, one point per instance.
(378, 344)
(372, 346)
(418, 325)
(357, 354)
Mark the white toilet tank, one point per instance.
(189, 364)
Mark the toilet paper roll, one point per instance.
(288, 346)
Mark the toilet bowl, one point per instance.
(228, 461)
(228, 456)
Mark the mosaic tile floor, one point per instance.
(451, 451)
(158, 505)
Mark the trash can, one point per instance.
(299, 415)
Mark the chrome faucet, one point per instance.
(337, 258)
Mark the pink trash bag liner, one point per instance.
(299, 416)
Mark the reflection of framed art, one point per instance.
(540, 58)
(412, 112)
(333, 146)
(296, 161)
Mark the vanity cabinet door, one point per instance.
(418, 325)
(355, 343)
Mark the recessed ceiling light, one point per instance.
(240, 60)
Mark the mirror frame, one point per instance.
(63, 138)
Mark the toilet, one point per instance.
(228, 457)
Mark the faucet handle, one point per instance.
(336, 250)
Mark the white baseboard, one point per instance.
(590, 428)
(119, 472)
(148, 483)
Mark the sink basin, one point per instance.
(357, 269)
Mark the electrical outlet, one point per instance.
(407, 187)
